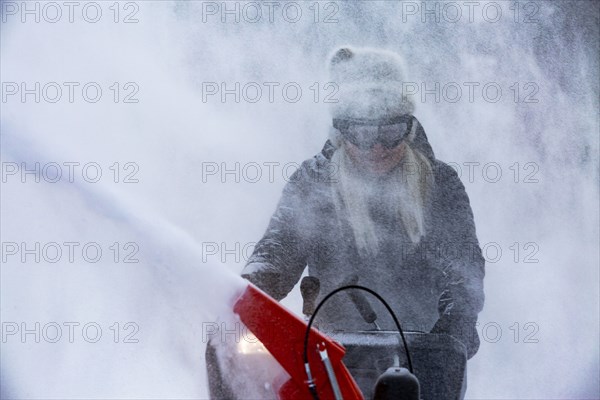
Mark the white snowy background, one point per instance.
(192, 231)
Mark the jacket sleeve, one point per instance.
(461, 260)
(280, 256)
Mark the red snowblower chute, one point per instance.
(282, 333)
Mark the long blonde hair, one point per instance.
(407, 189)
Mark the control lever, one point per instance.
(309, 288)
(360, 301)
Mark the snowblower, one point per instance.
(274, 354)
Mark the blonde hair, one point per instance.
(407, 189)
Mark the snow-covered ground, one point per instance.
(133, 252)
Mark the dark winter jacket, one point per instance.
(437, 285)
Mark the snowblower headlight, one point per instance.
(249, 344)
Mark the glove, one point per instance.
(266, 278)
(462, 329)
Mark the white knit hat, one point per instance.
(370, 84)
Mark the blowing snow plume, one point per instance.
(164, 132)
(105, 293)
(114, 298)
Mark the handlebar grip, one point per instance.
(309, 288)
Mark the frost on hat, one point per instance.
(369, 82)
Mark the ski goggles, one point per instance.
(365, 133)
